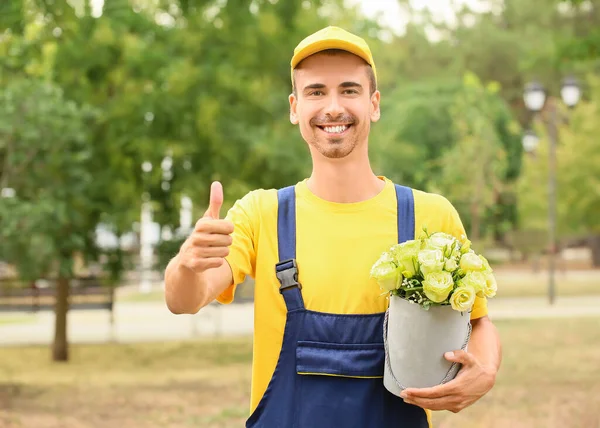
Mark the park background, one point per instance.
(116, 115)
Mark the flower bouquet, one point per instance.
(432, 283)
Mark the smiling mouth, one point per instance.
(335, 130)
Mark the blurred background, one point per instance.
(116, 115)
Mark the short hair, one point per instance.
(333, 52)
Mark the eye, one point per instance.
(351, 91)
(316, 93)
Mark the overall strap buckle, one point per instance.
(287, 274)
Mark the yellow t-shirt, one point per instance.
(336, 245)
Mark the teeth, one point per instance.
(335, 129)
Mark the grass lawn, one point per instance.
(550, 378)
(16, 318)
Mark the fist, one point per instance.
(208, 245)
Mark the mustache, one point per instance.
(325, 120)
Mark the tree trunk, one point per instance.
(60, 351)
(594, 243)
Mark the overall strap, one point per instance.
(406, 213)
(287, 269)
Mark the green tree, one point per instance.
(46, 155)
(473, 171)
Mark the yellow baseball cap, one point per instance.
(332, 38)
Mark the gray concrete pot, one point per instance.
(415, 342)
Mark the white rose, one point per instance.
(405, 256)
(431, 261)
(450, 265)
(471, 262)
(440, 241)
(475, 280)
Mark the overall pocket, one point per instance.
(337, 359)
(341, 385)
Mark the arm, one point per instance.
(199, 273)
(186, 292)
(485, 345)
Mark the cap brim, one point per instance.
(322, 45)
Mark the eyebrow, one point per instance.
(342, 85)
(314, 86)
(350, 85)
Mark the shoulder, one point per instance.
(432, 201)
(436, 213)
(256, 202)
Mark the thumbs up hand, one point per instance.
(208, 245)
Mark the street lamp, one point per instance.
(530, 141)
(535, 100)
(570, 92)
(534, 96)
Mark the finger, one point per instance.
(203, 263)
(223, 227)
(215, 201)
(211, 240)
(209, 252)
(461, 357)
(437, 391)
(447, 403)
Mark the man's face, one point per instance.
(333, 105)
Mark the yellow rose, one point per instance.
(437, 286)
(386, 273)
(486, 264)
(471, 262)
(431, 261)
(466, 246)
(491, 287)
(405, 256)
(450, 265)
(440, 241)
(475, 280)
(463, 298)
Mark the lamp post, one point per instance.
(530, 141)
(535, 100)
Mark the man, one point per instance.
(318, 314)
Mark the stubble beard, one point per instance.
(334, 148)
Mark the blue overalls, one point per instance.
(330, 368)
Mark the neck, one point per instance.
(345, 180)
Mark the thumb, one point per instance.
(459, 356)
(216, 200)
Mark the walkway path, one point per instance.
(151, 321)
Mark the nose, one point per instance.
(333, 107)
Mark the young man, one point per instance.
(318, 315)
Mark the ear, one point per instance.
(375, 102)
(293, 109)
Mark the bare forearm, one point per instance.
(185, 290)
(485, 344)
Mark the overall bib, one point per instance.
(330, 368)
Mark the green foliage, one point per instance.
(206, 83)
(45, 154)
(579, 158)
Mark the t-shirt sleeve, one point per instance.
(454, 227)
(242, 252)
